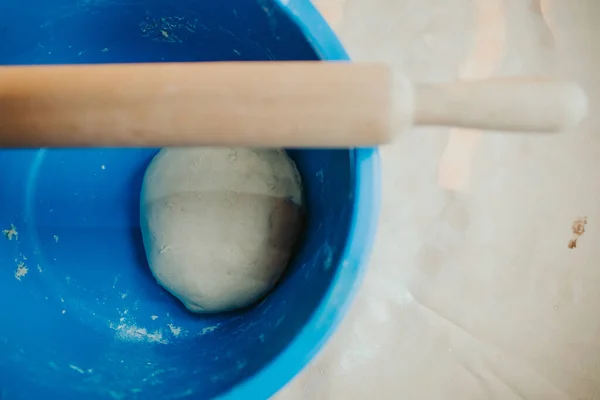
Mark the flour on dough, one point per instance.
(220, 224)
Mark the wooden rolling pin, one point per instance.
(261, 104)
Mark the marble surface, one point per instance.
(473, 291)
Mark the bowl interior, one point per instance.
(81, 314)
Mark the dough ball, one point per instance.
(220, 224)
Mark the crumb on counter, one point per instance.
(11, 232)
(21, 271)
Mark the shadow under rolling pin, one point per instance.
(261, 104)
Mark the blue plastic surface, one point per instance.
(80, 314)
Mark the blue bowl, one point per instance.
(81, 315)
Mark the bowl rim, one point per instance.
(335, 303)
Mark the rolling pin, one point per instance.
(261, 104)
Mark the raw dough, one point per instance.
(219, 224)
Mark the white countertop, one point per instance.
(472, 291)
